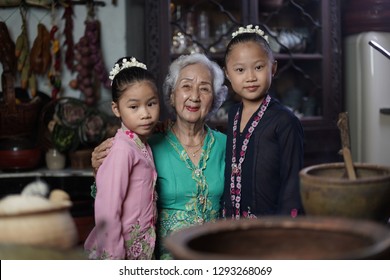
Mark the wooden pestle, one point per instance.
(342, 124)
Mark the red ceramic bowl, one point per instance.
(20, 159)
(19, 153)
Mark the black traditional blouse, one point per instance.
(270, 171)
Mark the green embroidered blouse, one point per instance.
(187, 194)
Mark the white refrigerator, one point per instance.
(367, 86)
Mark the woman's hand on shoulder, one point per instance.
(100, 152)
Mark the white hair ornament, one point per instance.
(125, 64)
(249, 29)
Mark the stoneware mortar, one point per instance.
(326, 191)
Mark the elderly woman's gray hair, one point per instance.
(219, 89)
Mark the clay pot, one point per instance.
(282, 238)
(326, 191)
(29, 252)
(35, 220)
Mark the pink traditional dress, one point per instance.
(125, 204)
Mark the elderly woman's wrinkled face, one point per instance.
(193, 96)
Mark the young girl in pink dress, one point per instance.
(125, 204)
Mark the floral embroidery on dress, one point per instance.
(171, 221)
(141, 145)
(140, 245)
(199, 202)
(198, 208)
(93, 255)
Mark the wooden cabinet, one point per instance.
(305, 36)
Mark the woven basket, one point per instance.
(17, 119)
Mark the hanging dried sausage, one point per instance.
(7, 50)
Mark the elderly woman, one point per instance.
(189, 156)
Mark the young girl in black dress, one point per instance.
(264, 139)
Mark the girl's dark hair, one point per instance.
(249, 37)
(129, 76)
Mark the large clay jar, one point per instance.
(282, 238)
(35, 220)
(326, 191)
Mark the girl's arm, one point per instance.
(112, 182)
(291, 141)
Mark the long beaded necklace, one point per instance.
(235, 178)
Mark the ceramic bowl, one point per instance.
(20, 159)
(17, 153)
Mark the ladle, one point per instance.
(342, 124)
